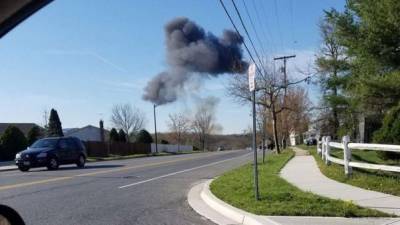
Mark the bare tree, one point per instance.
(203, 123)
(127, 118)
(270, 93)
(179, 125)
(45, 117)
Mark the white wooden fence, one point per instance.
(324, 148)
(170, 148)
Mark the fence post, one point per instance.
(327, 150)
(346, 155)
(319, 146)
(323, 147)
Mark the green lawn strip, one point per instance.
(278, 197)
(120, 157)
(306, 147)
(365, 156)
(375, 180)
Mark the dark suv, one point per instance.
(52, 152)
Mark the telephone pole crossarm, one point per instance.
(285, 58)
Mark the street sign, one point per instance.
(252, 75)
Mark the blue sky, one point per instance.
(82, 56)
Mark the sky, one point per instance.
(81, 57)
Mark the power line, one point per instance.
(251, 56)
(254, 28)
(247, 33)
(237, 31)
(291, 24)
(254, 138)
(278, 23)
(268, 30)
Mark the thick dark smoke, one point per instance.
(192, 51)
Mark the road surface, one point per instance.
(138, 191)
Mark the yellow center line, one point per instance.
(6, 187)
(11, 186)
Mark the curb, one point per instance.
(238, 215)
(208, 205)
(10, 168)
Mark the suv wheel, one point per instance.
(81, 161)
(53, 164)
(23, 168)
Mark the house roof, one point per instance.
(71, 131)
(24, 127)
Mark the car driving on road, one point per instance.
(51, 153)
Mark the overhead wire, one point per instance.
(247, 34)
(254, 28)
(255, 50)
(264, 24)
(278, 24)
(237, 31)
(292, 25)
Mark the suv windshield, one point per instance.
(45, 143)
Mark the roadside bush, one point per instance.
(114, 137)
(33, 135)
(389, 133)
(144, 137)
(12, 141)
(165, 142)
(122, 136)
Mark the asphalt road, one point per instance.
(138, 191)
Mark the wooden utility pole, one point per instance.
(285, 85)
(155, 128)
(285, 58)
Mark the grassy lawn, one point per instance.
(385, 182)
(120, 157)
(365, 156)
(278, 197)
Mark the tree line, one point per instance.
(14, 140)
(359, 71)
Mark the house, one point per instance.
(87, 133)
(24, 127)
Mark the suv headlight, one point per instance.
(18, 156)
(42, 155)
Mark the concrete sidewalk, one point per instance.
(303, 172)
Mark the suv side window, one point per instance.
(72, 144)
(63, 144)
(79, 143)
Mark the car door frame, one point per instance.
(74, 150)
(63, 153)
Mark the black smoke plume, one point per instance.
(191, 51)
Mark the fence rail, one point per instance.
(324, 148)
(102, 149)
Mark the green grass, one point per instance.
(120, 157)
(365, 156)
(278, 197)
(306, 147)
(380, 181)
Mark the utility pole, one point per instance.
(264, 142)
(252, 87)
(285, 58)
(155, 127)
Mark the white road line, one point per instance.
(182, 171)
